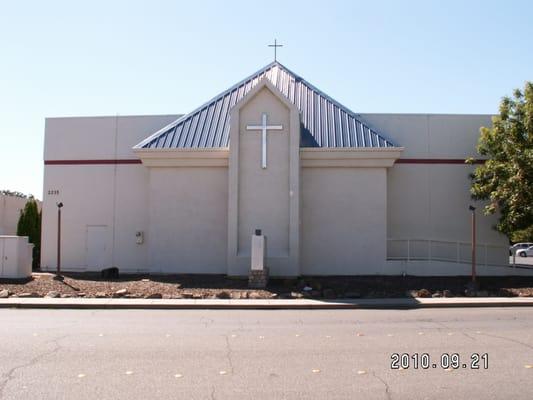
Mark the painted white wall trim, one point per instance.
(354, 157)
(183, 157)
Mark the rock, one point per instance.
(52, 294)
(447, 293)
(121, 292)
(223, 295)
(187, 295)
(296, 295)
(145, 280)
(236, 295)
(27, 294)
(286, 296)
(81, 294)
(273, 295)
(352, 295)
(423, 293)
(254, 295)
(178, 285)
(167, 296)
(132, 296)
(329, 294)
(4, 294)
(198, 296)
(436, 294)
(176, 296)
(100, 295)
(67, 295)
(154, 296)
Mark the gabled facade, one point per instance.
(324, 122)
(334, 192)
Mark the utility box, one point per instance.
(139, 237)
(16, 256)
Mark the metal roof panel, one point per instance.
(325, 122)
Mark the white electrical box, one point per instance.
(139, 237)
(16, 255)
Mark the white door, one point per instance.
(97, 246)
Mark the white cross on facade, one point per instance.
(263, 128)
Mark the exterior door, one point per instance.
(97, 246)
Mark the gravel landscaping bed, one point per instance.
(90, 285)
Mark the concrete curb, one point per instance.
(189, 304)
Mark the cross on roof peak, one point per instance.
(275, 45)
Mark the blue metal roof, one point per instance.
(324, 122)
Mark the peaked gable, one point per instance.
(324, 122)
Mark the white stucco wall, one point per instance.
(10, 207)
(430, 201)
(430, 135)
(264, 193)
(347, 214)
(264, 198)
(87, 195)
(111, 196)
(343, 221)
(188, 220)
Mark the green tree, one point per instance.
(29, 224)
(506, 178)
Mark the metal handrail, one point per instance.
(428, 255)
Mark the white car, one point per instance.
(519, 246)
(525, 252)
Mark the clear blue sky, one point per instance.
(65, 58)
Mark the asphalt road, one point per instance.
(314, 354)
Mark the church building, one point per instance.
(334, 192)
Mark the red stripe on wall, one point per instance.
(435, 161)
(136, 161)
(91, 162)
